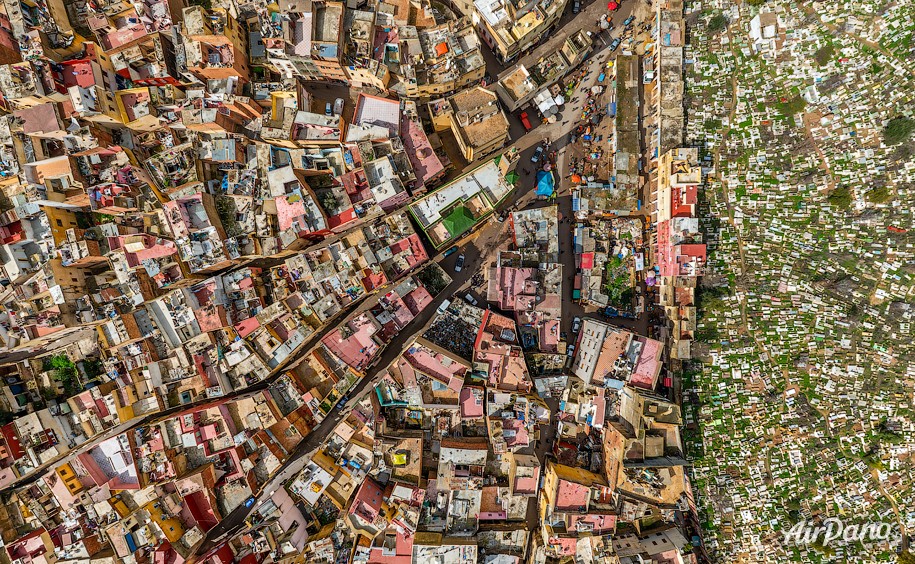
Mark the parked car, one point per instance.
(615, 44)
(249, 502)
(444, 306)
(570, 351)
(576, 6)
(537, 154)
(450, 251)
(460, 263)
(471, 300)
(328, 109)
(525, 121)
(576, 325)
(338, 106)
(629, 20)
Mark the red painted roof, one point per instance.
(246, 327)
(12, 441)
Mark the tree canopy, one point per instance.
(898, 130)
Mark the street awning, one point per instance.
(544, 183)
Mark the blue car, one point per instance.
(249, 502)
(629, 20)
(615, 44)
(536, 156)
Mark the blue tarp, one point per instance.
(544, 183)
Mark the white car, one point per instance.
(471, 300)
(460, 263)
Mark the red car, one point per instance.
(525, 121)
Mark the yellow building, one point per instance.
(171, 526)
(373, 74)
(61, 217)
(475, 118)
(280, 101)
(69, 479)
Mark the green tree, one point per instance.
(840, 197)
(93, 367)
(898, 129)
(878, 195)
(65, 372)
(433, 278)
(756, 2)
(824, 54)
(328, 201)
(717, 23)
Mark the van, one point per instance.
(338, 106)
(444, 306)
(327, 109)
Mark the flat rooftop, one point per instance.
(486, 179)
(327, 22)
(518, 83)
